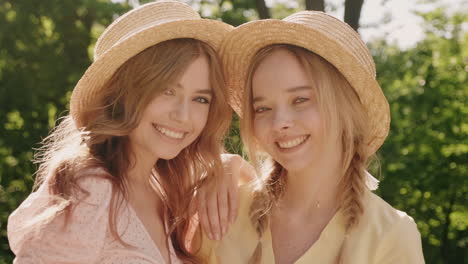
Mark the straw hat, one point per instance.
(322, 34)
(132, 33)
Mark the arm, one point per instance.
(218, 205)
(37, 235)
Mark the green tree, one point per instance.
(424, 160)
(351, 15)
(45, 48)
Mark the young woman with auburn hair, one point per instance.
(312, 118)
(118, 176)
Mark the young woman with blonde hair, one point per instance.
(118, 176)
(313, 116)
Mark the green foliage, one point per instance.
(47, 45)
(44, 51)
(232, 12)
(424, 160)
(233, 143)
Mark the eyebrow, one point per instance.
(201, 91)
(205, 91)
(289, 90)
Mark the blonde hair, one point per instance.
(68, 152)
(342, 111)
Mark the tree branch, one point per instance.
(262, 9)
(317, 5)
(353, 12)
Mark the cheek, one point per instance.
(261, 129)
(157, 107)
(200, 116)
(312, 122)
(310, 116)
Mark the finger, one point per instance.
(212, 210)
(223, 210)
(203, 216)
(233, 196)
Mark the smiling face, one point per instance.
(286, 120)
(177, 116)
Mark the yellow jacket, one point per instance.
(384, 235)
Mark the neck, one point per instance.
(142, 165)
(140, 185)
(313, 189)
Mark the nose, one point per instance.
(282, 120)
(180, 112)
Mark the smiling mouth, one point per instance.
(289, 144)
(169, 133)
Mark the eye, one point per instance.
(299, 100)
(202, 100)
(169, 92)
(261, 109)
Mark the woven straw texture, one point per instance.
(132, 33)
(322, 34)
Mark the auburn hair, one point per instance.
(342, 111)
(70, 153)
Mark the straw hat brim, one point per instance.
(100, 71)
(242, 43)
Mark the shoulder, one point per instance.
(91, 186)
(40, 222)
(92, 197)
(246, 197)
(380, 213)
(388, 232)
(95, 185)
(243, 229)
(240, 240)
(242, 224)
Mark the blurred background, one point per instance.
(421, 53)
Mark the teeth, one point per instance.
(292, 143)
(170, 133)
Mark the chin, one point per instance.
(168, 155)
(294, 165)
